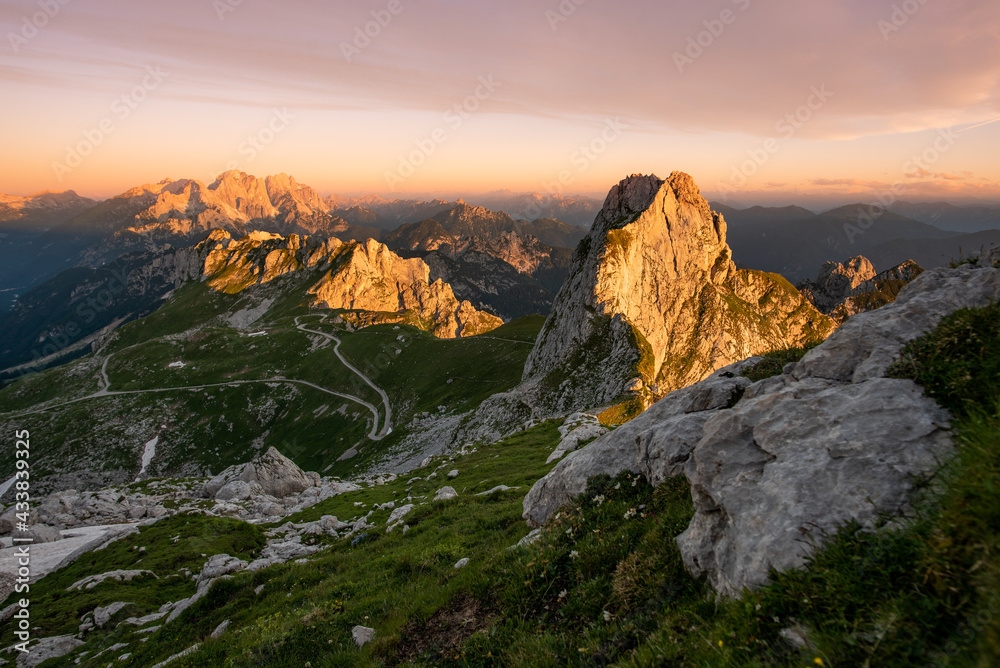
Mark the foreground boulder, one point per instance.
(272, 473)
(830, 440)
(657, 444)
(792, 465)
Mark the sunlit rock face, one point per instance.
(654, 302)
(345, 276)
(845, 289)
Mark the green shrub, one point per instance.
(959, 363)
(774, 362)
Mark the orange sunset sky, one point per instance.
(762, 101)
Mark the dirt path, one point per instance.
(387, 424)
(375, 434)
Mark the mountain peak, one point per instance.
(654, 302)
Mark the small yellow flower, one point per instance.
(720, 643)
(818, 661)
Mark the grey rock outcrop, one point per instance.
(118, 576)
(282, 551)
(990, 257)
(656, 444)
(830, 440)
(398, 514)
(445, 494)
(48, 648)
(787, 467)
(272, 473)
(219, 565)
(103, 615)
(362, 635)
(578, 428)
(39, 533)
(238, 490)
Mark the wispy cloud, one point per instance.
(603, 61)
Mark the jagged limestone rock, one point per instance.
(843, 290)
(653, 303)
(656, 444)
(366, 278)
(836, 281)
(656, 277)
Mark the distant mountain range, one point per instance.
(793, 241)
(971, 218)
(378, 211)
(80, 266)
(58, 248)
(52, 232)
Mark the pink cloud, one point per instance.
(604, 59)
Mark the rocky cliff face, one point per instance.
(350, 276)
(773, 462)
(654, 302)
(510, 272)
(842, 290)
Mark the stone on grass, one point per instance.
(445, 494)
(362, 635)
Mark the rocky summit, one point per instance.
(653, 303)
(363, 279)
(655, 285)
(845, 289)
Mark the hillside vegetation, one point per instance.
(604, 583)
(209, 386)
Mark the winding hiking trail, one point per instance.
(374, 434)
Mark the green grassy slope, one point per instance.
(208, 429)
(605, 584)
